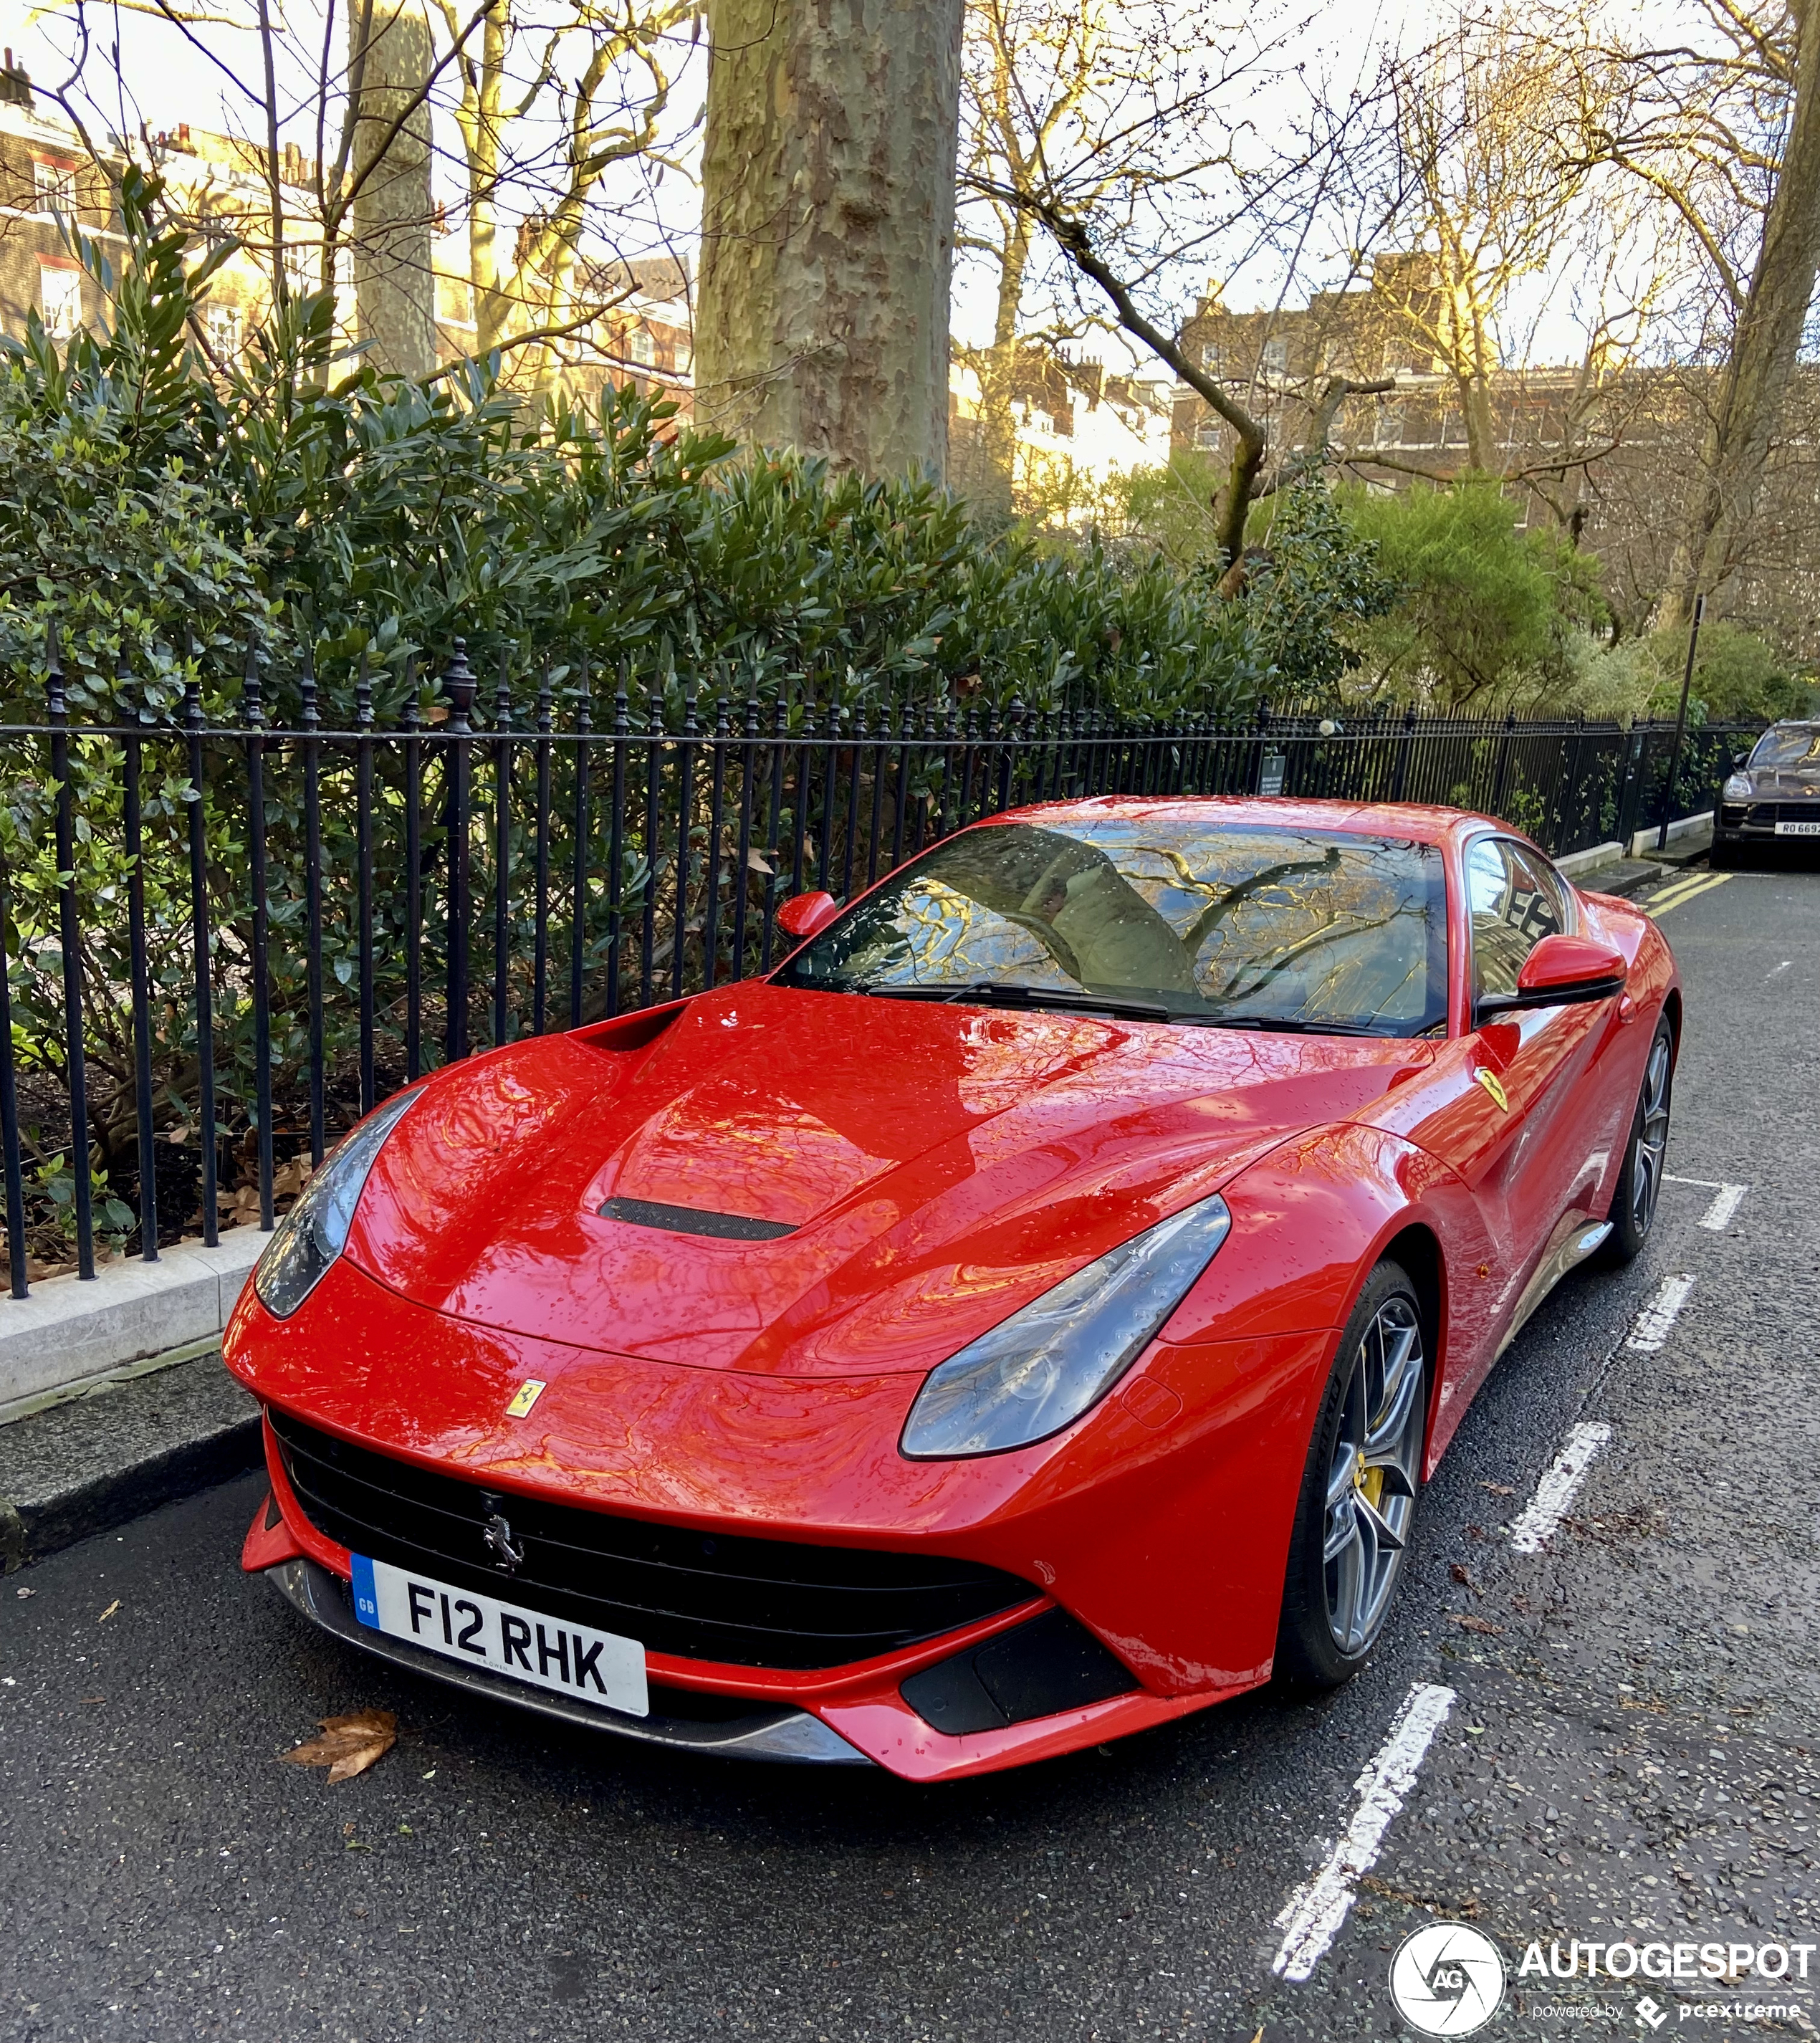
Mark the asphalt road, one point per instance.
(1628, 1749)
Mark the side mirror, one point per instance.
(1741, 759)
(1561, 971)
(803, 914)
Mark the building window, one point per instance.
(53, 185)
(1276, 356)
(644, 348)
(223, 330)
(300, 271)
(60, 298)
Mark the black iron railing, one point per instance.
(224, 942)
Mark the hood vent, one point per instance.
(692, 1220)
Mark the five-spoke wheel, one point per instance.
(1356, 1509)
(1373, 1473)
(1640, 1180)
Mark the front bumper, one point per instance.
(1754, 823)
(1159, 1525)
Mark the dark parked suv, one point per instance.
(1772, 797)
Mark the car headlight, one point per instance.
(313, 1233)
(1738, 788)
(1039, 1370)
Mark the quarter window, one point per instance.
(1514, 905)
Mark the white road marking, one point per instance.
(1311, 1918)
(1718, 1215)
(1656, 1320)
(1540, 1519)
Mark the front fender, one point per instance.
(1311, 1221)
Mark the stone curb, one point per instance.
(69, 1332)
(122, 1448)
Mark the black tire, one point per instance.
(1634, 1203)
(1723, 857)
(1337, 1600)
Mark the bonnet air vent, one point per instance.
(692, 1220)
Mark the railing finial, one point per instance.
(461, 683)
(252, 691)
(56, 701)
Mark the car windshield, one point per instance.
(1162, 916)
(1788, 744)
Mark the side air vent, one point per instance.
(693, 1219)
(1052, 1663)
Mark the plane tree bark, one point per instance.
(828, 195)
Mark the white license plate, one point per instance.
(588, 1666)
(1799, 829)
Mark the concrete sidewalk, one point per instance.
(122, 1446)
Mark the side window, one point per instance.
(1550, 893)
(1514, 905)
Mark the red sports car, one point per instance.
(1028, 1315)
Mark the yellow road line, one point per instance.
(1684, 890)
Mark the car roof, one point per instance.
(1421, 822)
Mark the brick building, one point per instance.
(51, 186)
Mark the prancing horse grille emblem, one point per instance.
(496, 1537)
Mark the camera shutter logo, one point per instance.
(1447, 1978)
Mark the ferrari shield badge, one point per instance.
(528, 1393)
(1488, 1080)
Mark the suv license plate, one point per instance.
(588, 1666)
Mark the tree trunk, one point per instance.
(394, 279)
(1763, 351)
(828, 174)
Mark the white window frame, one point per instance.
(60, 307)
(54, 188)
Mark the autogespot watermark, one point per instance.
(1447, 1978)
(1450, 1979)
(1735, 1980)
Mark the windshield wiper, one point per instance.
(995, 993)
(1286, 1025)
(1008, 993)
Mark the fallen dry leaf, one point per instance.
(757, 862)
(109, 1612)
(1498, 1488)
(24, 1593)
(1461, 1573)
(291, 1176)
(1470, 1621)
(349, 1744)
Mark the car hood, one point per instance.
(1783, 784)
(935, 1167)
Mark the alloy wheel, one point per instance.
(1372, 1476)
(1651, 1139)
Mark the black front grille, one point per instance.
(750, 1603)
(1766, 815)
